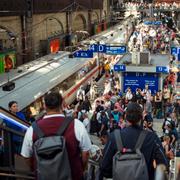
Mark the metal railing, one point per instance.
(8, 162)
(12, 165)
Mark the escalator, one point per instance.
(12, 130)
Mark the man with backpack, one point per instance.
(60, 145)
(130, 152)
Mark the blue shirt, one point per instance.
(21, 115)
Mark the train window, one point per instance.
(37, 107)
(34, 109)
(68, 83)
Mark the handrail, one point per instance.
(7, 169)
(11, 130)
(8, 131)
(16, 176)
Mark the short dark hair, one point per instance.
(134, 113)
(11, 103)
(53, 100)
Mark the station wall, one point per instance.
(45, 25)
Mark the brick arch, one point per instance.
(9, 37)
(8, 31)
(53, 26)
(104, 14)
(79, 23)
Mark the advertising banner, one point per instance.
(54, 45)
(139, 80)
(97, 28)
(7, 61)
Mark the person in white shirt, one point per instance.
(80, 95)
(77, 138)
(107, 87)
(146, 93)
(129, 94)
(86, 122)
(93, 89)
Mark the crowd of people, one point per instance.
(122, 121)
(164, 5)
(103, 114)
(110, 113)
(139, 5)
(155, 39)
(129, 113)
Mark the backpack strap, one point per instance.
(39, 133)
(140, 140)
(64, 125)
(118, 139)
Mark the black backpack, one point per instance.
(51, 154)
(129, 164)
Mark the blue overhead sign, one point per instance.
(148, 22)
(139, 80)
(115, 50)
(152, 23)
(157, 22)
(83, 54)
(162, 69)
(120, 68)
(101, 48)
(175, 50)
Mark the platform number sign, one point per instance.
(83, 54)
(101, 48)
(175, 51)
(162, 69)
(119, 68)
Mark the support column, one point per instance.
(160, 82)
(29, 51)
(68, 27)
(121, 81)
(27, 29)
(89, 22)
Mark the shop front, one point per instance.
(56, 43)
